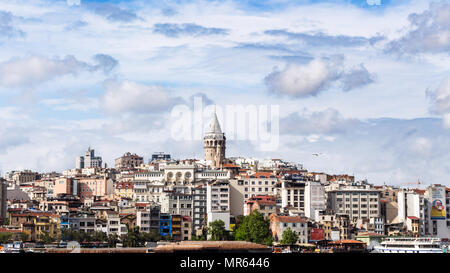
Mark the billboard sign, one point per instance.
(335, 235)
(438, 203)
(317, 234)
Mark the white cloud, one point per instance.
(303, 80)
(19, 72)
(429, 31)
(440, 97)
(128, 96)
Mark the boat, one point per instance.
(411, 245)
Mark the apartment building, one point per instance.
(414, 203)
(82, 222)
(24, 177)
(177, 203)
(264, 204)
(218, 202)
(89, 160)
(176, 227)
(3, 199)
(438, 216)
(357, 202)
(199, 207)
(65, 186)
(149, 219)
(36, 224)
(128, 161)
(186, 228)
(114, 225)
(260, 183)
(124, 190)
(96, 186)
(278, 224)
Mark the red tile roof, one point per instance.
(288, 219)
(230, 166)
(347, 242)
(186, 218)
(33, 214)
(266, 174)
(10, 230)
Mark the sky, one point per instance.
(365, 84)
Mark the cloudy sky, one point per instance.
(365, 85)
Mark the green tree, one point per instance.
(113, 239)
(5, 237)
(217, 230)
(289, 237)
(152, 236)
(254, 228)
(23, 236)
(198, 238)
(46, 238)
(133, 238)
(99, 236)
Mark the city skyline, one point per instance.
(107, 75)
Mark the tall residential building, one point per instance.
(438, 224)
(89, 160)
(359, 203)
(176, 203)
(218, 202)
(3, 197)
(128, 161)
(199, 207)
(304, 196)
(214, 144)
(413, 203)
(149, 219)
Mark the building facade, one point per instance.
(89, 160)
(128, 161)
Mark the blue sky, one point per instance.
(368, 86)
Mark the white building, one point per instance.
(315, 198)
(438, 197)
(218, 202)
(89, 160)
(413, 203)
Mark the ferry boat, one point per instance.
(411, 245)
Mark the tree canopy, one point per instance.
(217, 231)
(254, 228)
(289, 237)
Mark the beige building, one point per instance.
(358, 203)
(278, 224)
(128, 161)
(23, 177)
(264, 204)
(186, 228)
(64, 185)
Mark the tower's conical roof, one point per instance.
(214, 126)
